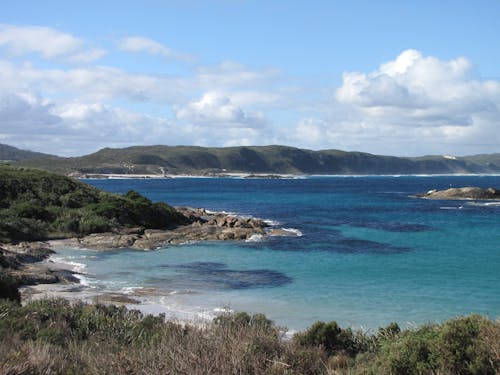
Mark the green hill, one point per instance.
(258, 159)
(37, 205)
(9, 153)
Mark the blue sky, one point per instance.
(387, 77)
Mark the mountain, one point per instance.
(258, 159)
(10, 153)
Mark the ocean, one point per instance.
(368, 253)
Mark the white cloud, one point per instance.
(50, 43)
(76, 128)
(420, 91)
(142, 44)
(412, 105)
(417, 105)
(26, 112)
(93, 83)
(217, 109)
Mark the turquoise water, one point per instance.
(369, 253)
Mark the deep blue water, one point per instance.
(369, 254)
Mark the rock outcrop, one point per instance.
(23, 263)
(463, 193)
(204, 226)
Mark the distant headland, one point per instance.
(251, 161)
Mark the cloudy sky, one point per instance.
(386, 77)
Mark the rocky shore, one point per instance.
(27, 262)
(463, 193)
(203, 226)
(24, 264)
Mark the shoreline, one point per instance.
(204, 225)
(111, 176)
(46, 275)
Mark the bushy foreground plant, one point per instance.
(59, 337)
(80, 338)
(461, 346)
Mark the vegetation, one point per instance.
(56, 336)
(37, 205)
(9, 153)
(264, 159)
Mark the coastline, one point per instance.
(242, 175)
(47, 275)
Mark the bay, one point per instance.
(369, 253)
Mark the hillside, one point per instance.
(9, 153)
(258, 159)
(37, 205)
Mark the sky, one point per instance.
(403, 78)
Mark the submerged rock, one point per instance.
(462, 193)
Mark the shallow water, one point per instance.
(369, 254)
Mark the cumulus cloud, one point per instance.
(76, 127)
(50, 43)
(418, 91)
(26, 112)
(217, 109)
(414, 105)
(142, 44)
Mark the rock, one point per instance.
(116, 298)
(107, 240)
(463, 193)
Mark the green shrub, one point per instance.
(9, 287)
(330, 337)
(31, 210)
(460, 347)
(411, 352)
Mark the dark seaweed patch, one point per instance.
(218, 276)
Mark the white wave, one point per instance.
(295, 231)
(229, 213)
(272, 223)
(451, 208)
(484, 204)
(75, 266)
(255, 238)
(131, 289)
(83, 280)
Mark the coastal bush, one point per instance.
(36, 205)
(411, 352)
(461, 350)
(20, 228)
(56, 336)
(459, 346)
(9, 287)
(244, 319)
(330, 337)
